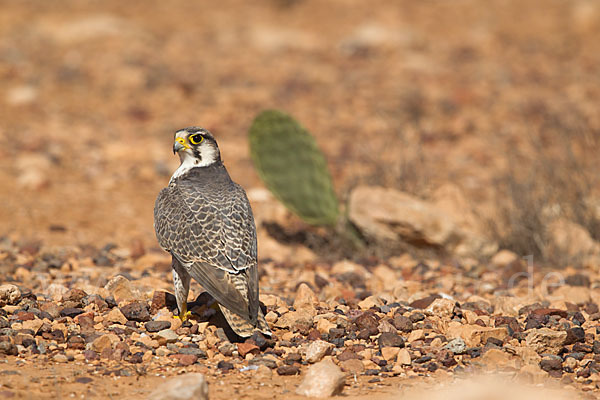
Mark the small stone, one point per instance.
(571, 363)
(24, 316)
(90, 355)
(288, 370)
(271, 317)
(317, 350)
(168, 335)
(184, 360)
(245, 348)
(8, 348)
(74, 295)
(263, 373)
(193, 351)
(551, 364)
(367, 322)
(161, 299)
(101, 343)
(389, 353)
(155, 326)
(336, 333)
(370, 302)
(136, 311)
(578, 280)
(385, 326)
(85, 322)
(510, 322)
(417, 334)
(403, 357)
(186, 387)
(51, 308)
(495, 358)
(575, 335)
(162, 352)
(442, 307)
(224, 365)
(324, 325)
(475, 335)
(267, 362)
(71, 312)
(402, 323)
(34, 325)
(390, 339)
(352, 366)
(322, 379)
(545, 340)
(416, 317)
(227, 348)
(456, 346)
(120, 288)
(549, 312)
(261, 341)
(293, 358)
(76, 343)
(9, 295)
(61, 358)
(305, 297)
(347, 354)
(532, 374)
(424, 302)
(115, 316)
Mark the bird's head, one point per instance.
(196, 147)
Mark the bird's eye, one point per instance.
(196, 139)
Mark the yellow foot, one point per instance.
(184, 316)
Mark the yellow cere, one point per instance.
(182, 142)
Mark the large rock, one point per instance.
(323, 379)
(388, 214)
(188, 386)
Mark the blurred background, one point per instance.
(489, 110)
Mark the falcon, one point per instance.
(204, 220)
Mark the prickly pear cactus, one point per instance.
(290, 163)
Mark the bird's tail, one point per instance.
(242, 326)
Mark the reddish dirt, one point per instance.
(398, 93)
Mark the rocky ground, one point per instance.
(99, 323)
(455, 133)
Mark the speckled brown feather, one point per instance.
(204, 219)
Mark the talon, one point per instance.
(184, 316)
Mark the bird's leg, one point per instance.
(181, 281)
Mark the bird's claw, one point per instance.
(184, 316)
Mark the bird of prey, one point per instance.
(204, 220)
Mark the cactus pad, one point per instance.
(290, 163)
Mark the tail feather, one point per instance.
(242, 326)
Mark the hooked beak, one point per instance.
(179, 145)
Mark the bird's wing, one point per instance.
(214, 237)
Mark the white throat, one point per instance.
(189, 161)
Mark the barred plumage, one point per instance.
(204, 220)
